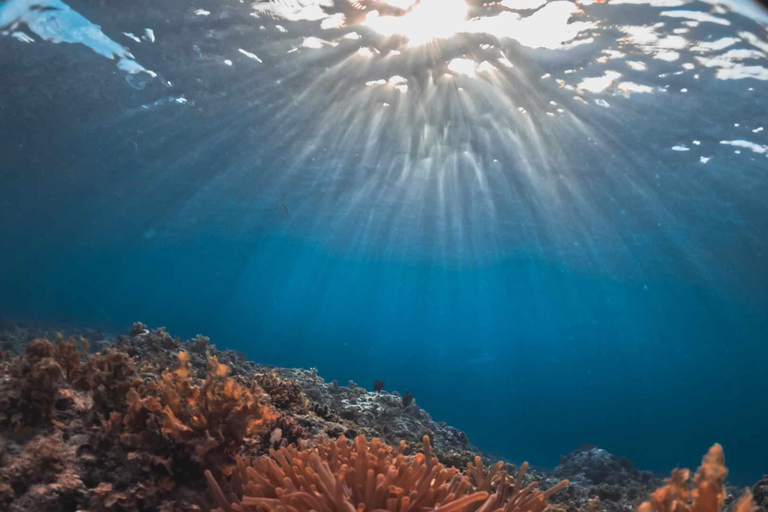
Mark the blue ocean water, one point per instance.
(544, 253)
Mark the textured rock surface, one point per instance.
(760, 490)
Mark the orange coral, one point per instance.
(208, 419)
(334, 476)
(706, 494)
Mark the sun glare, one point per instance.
(427, 20)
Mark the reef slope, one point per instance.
(92, 421)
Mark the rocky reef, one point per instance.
(146, 421)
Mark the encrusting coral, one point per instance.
(29, 391)
(706, 494)
(109, 376)
(363, 476)
(283, 393)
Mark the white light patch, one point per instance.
(149, 35)
(599, 83)
(637, 65)
(365, 52)
(701, 17)
(705, 159)
(465, 67)
(652, 3)
(755, 41)
(334, 21)
(131, 36)
(550, 27)
(651, 42)
(741, 72)
(315, 43)
(680, 147)
(523, 4)
(505, 61)
(376, 82)
(485, 67)
(401, 4)
(755, 148)
(250, 55)
(731, 67)
(628, 88)
(667, 55)
(427, 20)
(352, 36)
(21, 36)
(715, 46)
(398, 82)
(202, 12)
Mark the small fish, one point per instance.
(378, 385)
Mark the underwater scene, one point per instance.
(384, 255)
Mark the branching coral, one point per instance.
(706, 494)
(206, 419)
(335, 476)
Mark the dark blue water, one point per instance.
(558, 284)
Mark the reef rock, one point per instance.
(760, 492)
(601, 481)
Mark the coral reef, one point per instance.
(353, 410)
(135, 424)
(370, 475)
(706, 493)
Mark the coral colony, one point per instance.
(152, 423)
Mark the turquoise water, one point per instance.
(548, 223)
